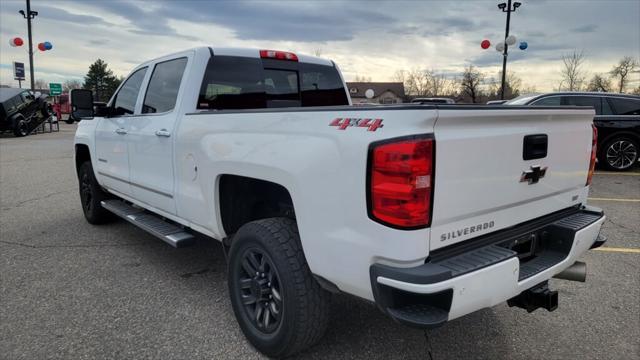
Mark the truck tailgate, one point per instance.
(480, 165)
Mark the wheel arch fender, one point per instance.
(241, 199)
(620, 133)
(81, 154)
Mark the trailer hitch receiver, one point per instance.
(539, 296)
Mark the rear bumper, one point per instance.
(474, 277)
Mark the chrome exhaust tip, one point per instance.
(575, 272)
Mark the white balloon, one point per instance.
(369, 93)
(500, 47)
(511, 40)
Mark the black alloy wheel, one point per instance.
(86, 195)
(621, 154)
(21, 128)
(279, 305)
(91, 196)
(260, 290)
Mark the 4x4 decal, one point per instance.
(344, 123)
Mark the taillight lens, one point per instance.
(401, 182)
(592, 163)
(278, 55)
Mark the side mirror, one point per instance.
(81, 103)
(101, 109)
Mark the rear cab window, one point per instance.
(232, 82)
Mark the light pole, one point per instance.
(30, 15)
(508, 8)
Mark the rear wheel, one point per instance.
(279, 305)
(91, 196)
(620, 153)
(20, 128)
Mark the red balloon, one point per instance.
(41, 47)
(485, 44)
(18, 41)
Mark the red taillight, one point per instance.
(278, 55)
(401, 182)
(592, 163)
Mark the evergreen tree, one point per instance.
(101, 81)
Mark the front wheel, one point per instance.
(91, 196)
(279, 305)
(619, 153)
(21, 128)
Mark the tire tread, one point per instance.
(312, 313)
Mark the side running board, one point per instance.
(151, 223)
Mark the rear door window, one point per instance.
(593, 101)
(547, 101)
(625, 106)
(127, 96)
(606, 107)
(163, 87)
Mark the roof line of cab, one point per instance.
(241, 52)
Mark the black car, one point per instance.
(21, 111)
(617, 120)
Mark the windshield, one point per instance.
(521, 100)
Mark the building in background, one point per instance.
(384, 92)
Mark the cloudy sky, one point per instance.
(367, 38)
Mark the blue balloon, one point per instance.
(49, 46)
(523, 45)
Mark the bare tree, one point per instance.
(528, 89)
(572, 73)
(41, 84)
(621, 71)
(360, 78)
(512, 86)
(400, 76)
(438, 84)
(419, 82)
(470, 83)
(317, 52)
(412, 80)
(599, 83)
(70, 85)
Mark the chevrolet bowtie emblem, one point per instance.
(534, 175)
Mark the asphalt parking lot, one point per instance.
(72, 290)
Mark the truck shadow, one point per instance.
(356, 328)
(133, 264)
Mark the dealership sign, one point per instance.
(18, 70)
(55, 89)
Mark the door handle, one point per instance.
(163, 132)
(121, 131)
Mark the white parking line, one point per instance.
(620, 250)
(617, 173)
(612, 199)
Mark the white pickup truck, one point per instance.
(430, 211)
